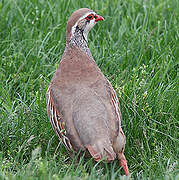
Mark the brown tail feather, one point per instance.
(101, 150)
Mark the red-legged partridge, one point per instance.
(82, 105)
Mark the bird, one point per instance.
(82, 105)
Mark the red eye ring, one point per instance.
(90, 17)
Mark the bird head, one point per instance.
(83, 21)
(119, 146)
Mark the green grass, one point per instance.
(136, 47)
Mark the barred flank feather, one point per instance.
(56, 121)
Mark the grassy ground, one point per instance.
(136, 47)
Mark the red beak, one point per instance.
(123, 163)
(99, 18)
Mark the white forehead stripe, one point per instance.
(87, 15)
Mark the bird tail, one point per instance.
(101, 150)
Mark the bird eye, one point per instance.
(90, 17)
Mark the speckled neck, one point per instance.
(78, 40)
